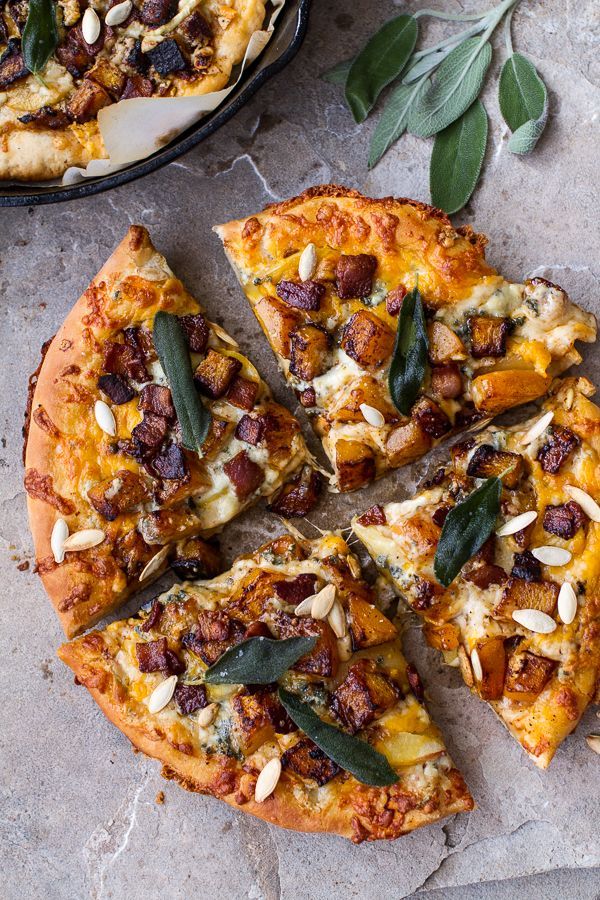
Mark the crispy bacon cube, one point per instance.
(446, 381)
(170, 464)
(301, 295)
(367, 340)
(214, 633)
(363, 695)
(308, 761)
(299, 496)
(196, 558)
(564, 520)
(243, 393)
(245, 475)
(116, 388)
(251, 429)
(323, 659)
(488, 336)
(155, 656)
(157, 12)
(12, 66)
(295, 590)
(354, 275)
(137, 86)
(215, 373)
(156, 398)
(562, 443)
(393, 301)
(190, 697)
(430, 418)
(132, 553)
(373, 516)
(196, 331)
(151, 431)
(125, 359)
(119, 494)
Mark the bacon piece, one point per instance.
(414, 680)
(141, 341)
(245, 475)
(166, 57)
(137, 60)
(116, 388)
(308, 761)
(74, 57)
(296, 590)
(87, 101)
(46, 117)
(12, 66)
(446, 381)
(215, 373)
(196, 331)
(488, 336)
(132, 553)
(154, 616)
(251, 429)
(557, 450)
(526, 566)
(564, 520)
(373, 516)
(363, 695)
(155, 656)
(190, 697)
(151, 431)
(170, 464)
(243, 393)
(431, 419)
(393, 301)
(367, 340)
(197, 558)
(123, 359)
(440, 515)
(156, 398)
(308, 398)
(107, 76)
(323, 659)
(118, 494)
(425, 593)
(354, 275)
(301, 295)
(137, 86)
(485, 575)
(213, 635)
(299, 496)
(157, 12)
(195, 29)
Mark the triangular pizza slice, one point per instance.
(280, 688)
(520, 615)
(112, 488)
(327, 275)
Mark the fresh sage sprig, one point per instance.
(467, 527)
(437, 88)
(409, 358)
(258, 660)
(172, 349)
(40, 35)
(351, 753)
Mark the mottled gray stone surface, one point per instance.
(78, 816)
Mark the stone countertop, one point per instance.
(79, 816)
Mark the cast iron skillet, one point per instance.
(290, 30)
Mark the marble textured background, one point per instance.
(78, 816)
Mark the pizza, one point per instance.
(108, 52)
(327, 273)
(113, 491)
(151, 676)
(522, 617)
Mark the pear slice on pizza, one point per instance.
(391, 326)
(137, 443)
(499, 554)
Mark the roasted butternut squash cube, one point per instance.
(108, 76)
(354, 465)
(497, 391)
(87, 101)
(366, 390)
(215, 373)
(527, 676)
(116, 495)
(493, 665)
(308, 761)
(252, 596)
(488, 336)
(441, 637)
(367, 340)
(196, 558)
(406, 442)
(368, 627)
(363, 695)
(251, 719)
(323, 659)
(278, 320)
(487, 462)
(519, 594)
(309, 346)
(444, 345)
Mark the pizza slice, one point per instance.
(390, 325)
(280, 688)
(113, 488)
(499, 555)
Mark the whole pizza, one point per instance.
(102, 53)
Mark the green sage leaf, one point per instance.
(355, 756)
(379, 62)
(40, 35)
(172, 349)
(523, 102)
(394, 119)
(258, 660)
(457, 158)
(409, 359)
(338, 74)
(457, 84)
(467, 527)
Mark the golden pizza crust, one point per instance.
(67, 453)
(343, 806)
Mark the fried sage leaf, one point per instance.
(458, 82)
(457, 158)
(409, 359)
(467, 527)
(523, 102)
(40, 35)
(171, 346)
(379, 62)
(355, 756)
(258, 660)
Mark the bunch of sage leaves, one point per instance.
(436, 94)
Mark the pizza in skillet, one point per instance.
(108, 51)
(327, 274)
(112, 489)
(522, 616)
(284, 750)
